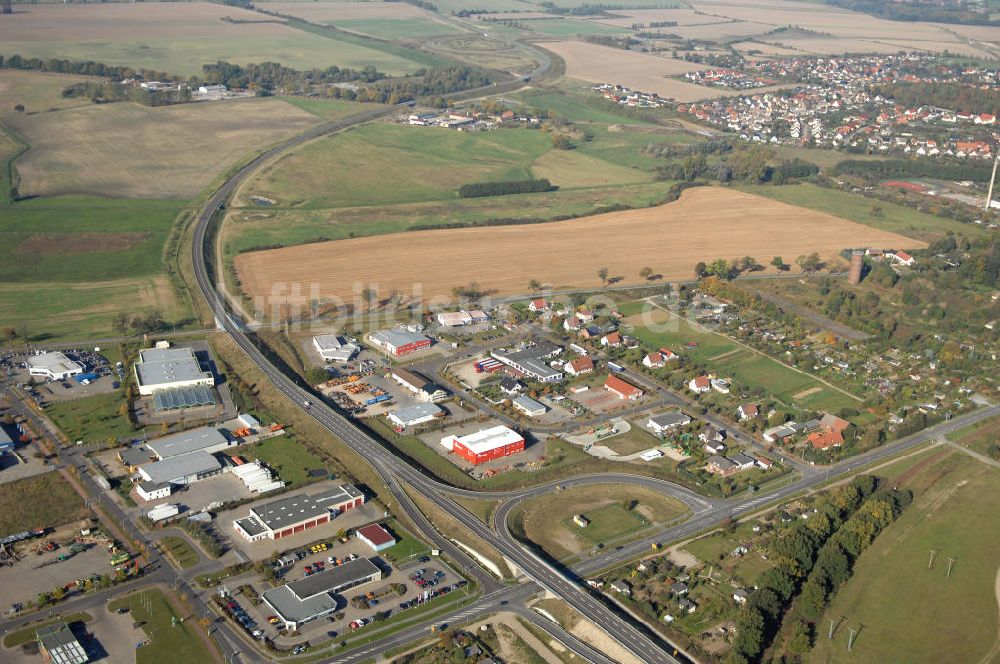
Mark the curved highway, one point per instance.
(636, 637)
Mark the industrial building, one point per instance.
(152, 490)
(335, 348)
(531, 361)
(459, 318)
(399, 342)
(622, 389)
(312, 598)
(422, 387)
(414, 415)
(256, 477)
(6, 442)
(376, 536)
(485, 445)
(182, 469)
(202, 439)
(528, 406)
(166, 368)
(296, 513)
(59, 645)
(54, 366)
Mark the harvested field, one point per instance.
(705, 224)
(388, 20)
(177, 37)
(681, 16)
(37, 91)
(572, 168)
(127, 150)
(639, 71)
(50, 244)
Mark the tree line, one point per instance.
(506, 188)
(815, 557)
(914, 168)
(954, 96)
(272, 75)
(87, 68)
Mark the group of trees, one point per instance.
(881, 169)
(801, 551)
(87, 68)
(953, 96)
(480, 189)
(431, 83)
(723, 269)
(269, 76)
(145, 323)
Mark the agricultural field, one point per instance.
(567, 27)
(706, 223)
(37, 92)
(384, 20)
(179, 38)
(489, 50)
(72, 266)
(127, 150)
(657, 328)
(893, 218)
(574, 168)
(42, 501)
(548, 522)
(908, 612)
(980, 437)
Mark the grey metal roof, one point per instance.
(528, 403)
(333, 578)
(162, 366)
(416, 412)
(177, 468)
(54, 362)
(252, 525)
(5, 439)
(742, 459)
(291, 608)
(187, 441)
(670, 419)
(397, 338)
(135, 456)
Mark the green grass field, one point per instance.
(572, 105)
(637, 439)
(78, 239)
(178, 549)
(167, 643)
(92, 419)
(566, 27)
(895, 218)
(409, 28)
(607, 524)
(407, 547)
(979, 437)
(328, 109)
(37, 92)
(423, 164)
(290, 458)
(42, 501)
(907, 612)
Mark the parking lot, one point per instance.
(432, 581)
(600, 401)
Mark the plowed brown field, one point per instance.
(705, 224)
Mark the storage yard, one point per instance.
(706, 223)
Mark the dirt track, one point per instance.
(705, 224)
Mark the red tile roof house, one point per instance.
(700, 384)
(613, 340)
(668, 354)
(747, 411)
(572, 324)
(539, 305)
(654, 361)
(824, 440)
(580, 365)
(622, 389)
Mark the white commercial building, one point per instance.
(164, 368)
(458, 318)
(335, 348)
(54, 366)
(414, 415)
(202, 439)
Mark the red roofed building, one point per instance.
(613, 340)
(824, 440)
(700, 384)
(654, 360)
(622, 389)
(539, 305)
(375, 536)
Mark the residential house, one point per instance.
(679, 589)
(747, 411)
(711, 434)
(654, 361)
(721, 385)
(613, 340)
(585, 315)
(579, 366)
(510, 385)
(667, 421)
(622, 587)
(700, 384)
(538, 304)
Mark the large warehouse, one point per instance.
(414, 415)
(165, 368)
(293, 514)
(311, 598)
(181, 469)
(398, 342)
(202, 439)
(485, 445)
(54, 366)
(335, 348)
